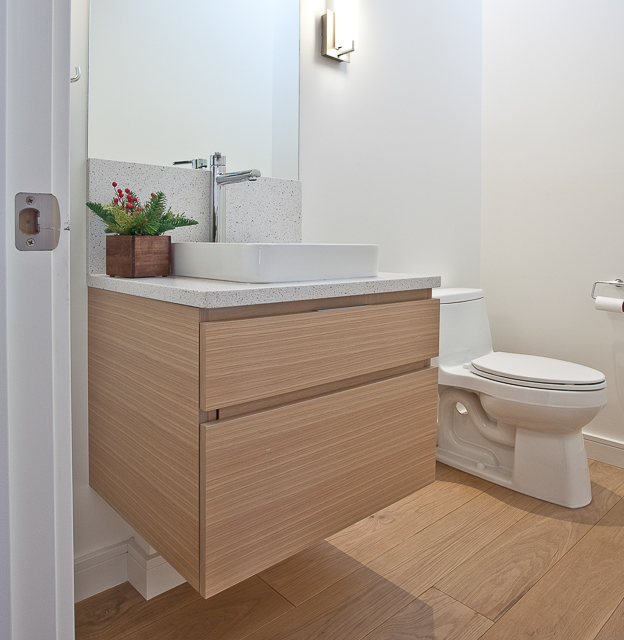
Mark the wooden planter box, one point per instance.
(138, 256)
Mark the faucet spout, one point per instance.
(217, 196)
(238, 176)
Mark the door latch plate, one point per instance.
(37, 222)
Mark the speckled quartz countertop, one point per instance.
(211, 294)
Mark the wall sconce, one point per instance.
(331, 47)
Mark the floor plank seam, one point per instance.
(153, 623)
(469, 557)
(147, 623)
(511, 605)
(509, 609)
(607, 512)
(386, 620)
(435, 586)
(493, 620)
(570, 549)
(519, 598)
(371, 560)
(281, 595)
(608, 619)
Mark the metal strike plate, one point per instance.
(37, 222)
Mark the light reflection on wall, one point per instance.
(175, 81)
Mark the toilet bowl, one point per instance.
(512, 419)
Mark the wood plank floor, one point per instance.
(461, 559)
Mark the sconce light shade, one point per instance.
(329, 47)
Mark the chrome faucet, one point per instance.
(198, 163)
(217, 193)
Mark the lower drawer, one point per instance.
(282, 480)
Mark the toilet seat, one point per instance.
(537, 372)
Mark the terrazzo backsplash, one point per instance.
(267, 210)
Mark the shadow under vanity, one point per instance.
(234, 425)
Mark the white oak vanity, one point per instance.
(231, 437)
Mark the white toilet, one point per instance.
(512, 419)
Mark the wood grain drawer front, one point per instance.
(284, 479)
(246, 360)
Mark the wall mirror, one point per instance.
(179, 80)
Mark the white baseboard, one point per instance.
(100, 570)
(149, 573)
(126, 561)
(604, 450)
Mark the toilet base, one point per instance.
(496, 474)
(550, 467)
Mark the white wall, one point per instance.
(285, 97)
(390, 143)
(553, 183)
(178, 80)
(96, 525)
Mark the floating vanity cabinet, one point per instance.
(232, 438)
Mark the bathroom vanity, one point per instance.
(234, 425)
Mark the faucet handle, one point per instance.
(217, 160)
(198, 163)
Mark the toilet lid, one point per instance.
(537, 372)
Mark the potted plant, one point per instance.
(138, 250)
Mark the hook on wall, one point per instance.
(77, 76)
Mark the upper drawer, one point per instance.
(245, 360)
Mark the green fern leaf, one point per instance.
(151, 219)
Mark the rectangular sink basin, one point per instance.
(265, 262)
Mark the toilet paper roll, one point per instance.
(609, 304)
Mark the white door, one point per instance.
(36, 559)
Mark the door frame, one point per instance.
(36, 540)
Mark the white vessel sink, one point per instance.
(273, 262)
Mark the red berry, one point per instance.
(116, 200)
(153, 195)
(127, 190)
(114, 184)
(130, 206)
(120, 192)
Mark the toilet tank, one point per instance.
(464, 326)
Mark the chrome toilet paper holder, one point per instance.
(615, 283)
